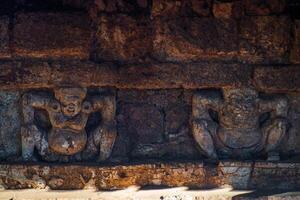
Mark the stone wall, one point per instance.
(142, 63)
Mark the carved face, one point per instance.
(70, 99)
(241, 100)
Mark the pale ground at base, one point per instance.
(134, 193)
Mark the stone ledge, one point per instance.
(22, 75)
(278, 79)
(238, 175)
(39, 74)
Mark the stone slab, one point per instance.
(51, 35)
(4, 37)
(23, 75)
(238, 175)
(277, 79)
(40, 74)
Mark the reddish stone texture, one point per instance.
(278, 79)
(4, 38)
(295, 51)
(265, 7)
(239, 175)
(157, 123)
(151, 76)
(122, 38)
(52, 35)
(223, 10)
(265, 39)
(191, 38)
(171, 9)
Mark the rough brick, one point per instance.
(266, 7)
(52, 35)
(223, 10)
(150, 76)
(277, 79)
(157, 122)
(4, 37)
(265, 39)
(193, 38)
(10, 122)
(171, 9)
(122, 38)
(295, 51)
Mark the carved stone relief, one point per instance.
(65, 137)
(241, 124)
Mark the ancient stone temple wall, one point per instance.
(109, 94)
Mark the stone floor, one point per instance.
(136, 193)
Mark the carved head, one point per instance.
(241, 99)
(71, 100)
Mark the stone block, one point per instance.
(10, 124)
(295, 51)
(192, 39)
(277, 79)
(223, 10)
(148, 76)
(122, 38)
(265, 39)
(171, 9)
(267, 7)
(4, 37)
(157, 121)
(52, 35)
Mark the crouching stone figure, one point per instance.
(68, 111)
(239, 123)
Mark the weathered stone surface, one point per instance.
(278, 79)
(294, 118)
(122, 38)
(122, 6)
(266, 176)
(10, 122)
(157, 123)
(52, 35)
(238, 175)
(295, 51)
(191, 39)
(237, 131)
(171, 9)
(223, 10)
(267, 7)
(65, 134)
(4, 37)
(265, 39)
(149, 76)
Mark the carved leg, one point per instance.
(203, 131)
(29, 136)
(42, 144)
(274, 132)
(104, 137)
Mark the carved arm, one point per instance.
(106, 133)
(278, 106)
(202, 102)
(31, 101)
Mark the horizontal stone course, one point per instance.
(25, 75)
(152, 76)
(239, 175)
(278, 79)
(5, 51)
(51, 35)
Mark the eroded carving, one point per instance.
(241, 124)
(68, 111)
